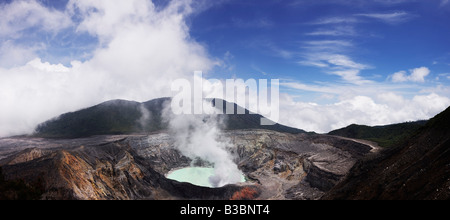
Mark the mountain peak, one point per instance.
(129, 117)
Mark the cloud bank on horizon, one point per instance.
(371, 62)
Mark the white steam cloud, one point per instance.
(141, 50)
(146, 116)
(197, 136)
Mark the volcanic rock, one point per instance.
(278, 165)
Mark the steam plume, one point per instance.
(146, 116)
(197, 136)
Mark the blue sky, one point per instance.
(338, 61)
(297, 40)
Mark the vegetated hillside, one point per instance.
(249, 120)
(385, 136)
(112, 117)
(418, 169)
(129, 117)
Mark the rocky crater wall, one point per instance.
(277, 165)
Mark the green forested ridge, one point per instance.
(126, 117)
(415, 169)
(385, 136)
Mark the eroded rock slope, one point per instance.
(277, 165)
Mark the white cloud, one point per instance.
(22, 20)
(387, 108)
(345, 90)
(334, 20)
(439, 89)
(12, 55)
(337, 64)
(313, 88)
(314, 63)
(335, 31)
(21, 15)
(328, 44)
(271, 48)
(257, 23)
(390, 18)
(372, 104)
(351, 75)
(344, 61)
(417, 75)
(391, 2)
(105, 19)
(142, 50)
(278, 52)
(35, 92)
(333, 60)
(331, 56)
(400, 76)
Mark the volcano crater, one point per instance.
(276, 166)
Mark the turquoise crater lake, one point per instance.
(195, 175)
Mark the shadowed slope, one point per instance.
(417, 169)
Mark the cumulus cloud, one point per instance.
(142, 49)
(31, 93)
(416, 75)
(12, 55)
(372, 104)
(386, 108)
(21, 15)
(400, 76)
(20, 21)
